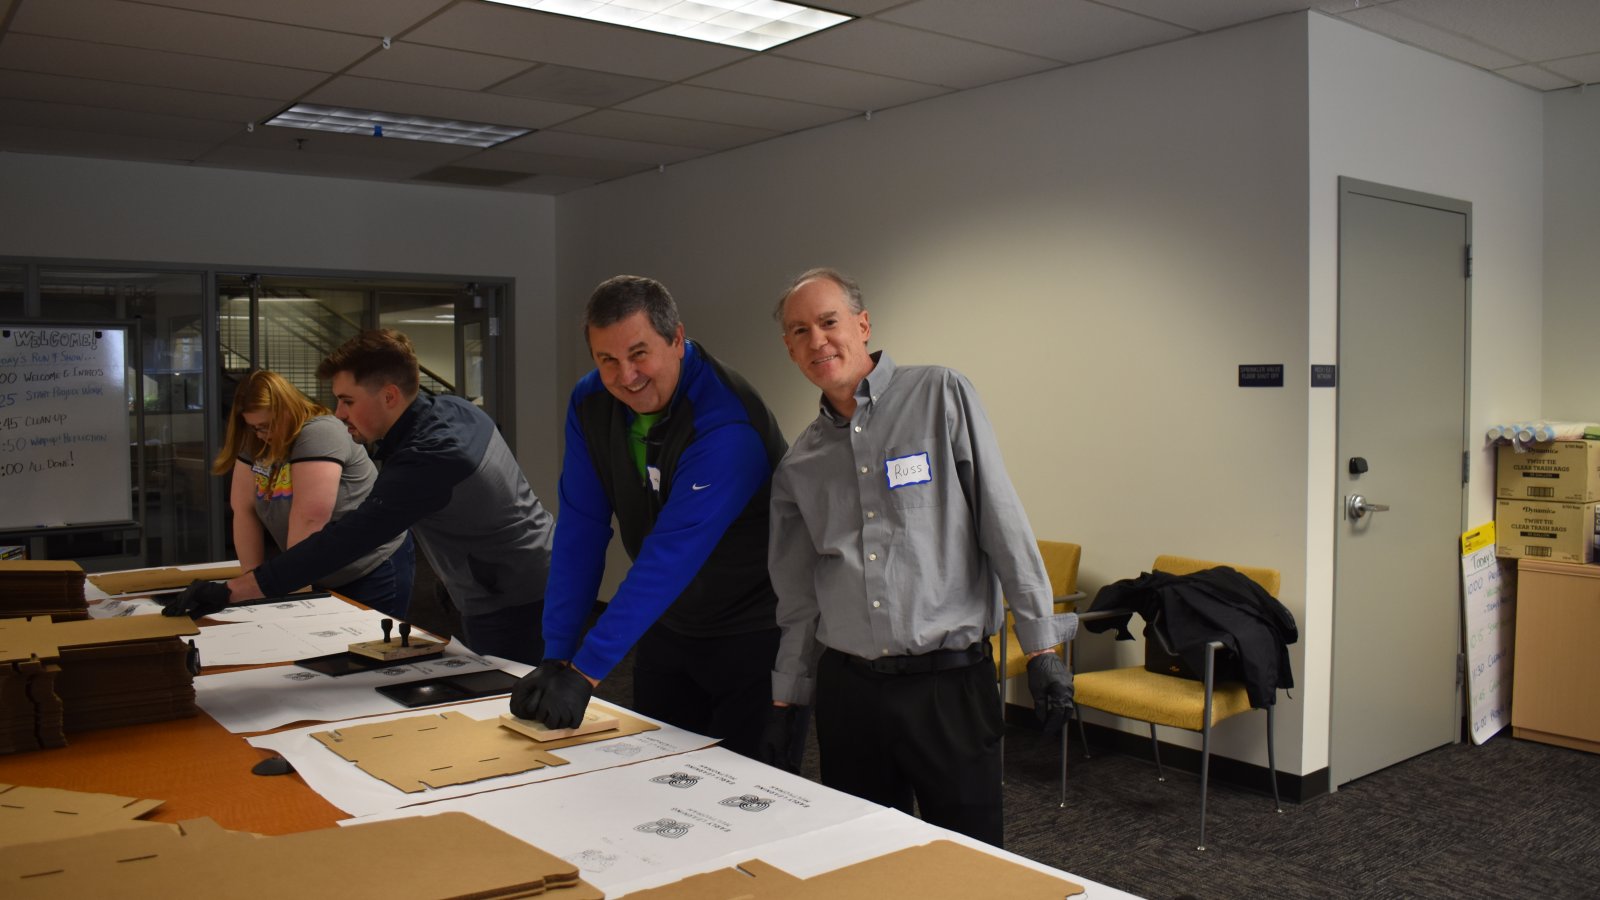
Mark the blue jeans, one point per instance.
(387, 588)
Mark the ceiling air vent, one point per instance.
(472, 177)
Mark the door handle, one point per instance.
(1356, 506)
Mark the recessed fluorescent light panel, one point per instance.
(749, 24)
(394, 125)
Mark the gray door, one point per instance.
(1403, 291)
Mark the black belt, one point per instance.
(921, 663)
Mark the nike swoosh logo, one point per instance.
(698, 487)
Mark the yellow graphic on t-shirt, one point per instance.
(273, 484)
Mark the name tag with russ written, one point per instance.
(908, 470)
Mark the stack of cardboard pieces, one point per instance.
(101, 849)
(940, 870)
(42, 587)
(61, 677)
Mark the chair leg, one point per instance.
(1065, 731)
(1082, 737)
(1272, 758)
(1205, 737)
(1155, 747)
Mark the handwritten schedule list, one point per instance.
(64, 426)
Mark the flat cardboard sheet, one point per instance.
(22, 639)
(32, 814)
(448, 748)
(359, 794)
(162, 579)
(443, 856)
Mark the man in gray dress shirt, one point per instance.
(894, 530)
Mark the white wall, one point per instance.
(139, 212)
(1384, 112)
(1571, 264)
(1098, 247)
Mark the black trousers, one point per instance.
(716, 686)
(932, 739)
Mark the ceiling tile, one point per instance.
(1582, 69)
(71, 117)
(371, 17)
(301, 163)
(565, 84)
(392, 96)
(1067, 30)
(900, 52)
(160, 28)
(524, 34)
(130, 64)
(54, 141)
(552, 184)
(301, 140)
(1384, 21)
(548, 164)
(632, 126)
(855, 7)
(420, 64)
(136, 97)
(1214, 14)
(1536, 77)
(1531, 30)
(794, 79)
(713, 105)
(563, 143)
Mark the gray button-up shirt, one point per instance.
(894, 532)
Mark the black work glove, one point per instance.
(1050, 683)
(555, 694)
(198, 600)
(777, 738)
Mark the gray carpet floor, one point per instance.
(1510, 818)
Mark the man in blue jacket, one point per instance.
(680, 449)
(447, 475)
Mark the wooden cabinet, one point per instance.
(1555, 695)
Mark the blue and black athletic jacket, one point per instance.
(697, 535)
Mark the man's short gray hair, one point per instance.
(852, 291)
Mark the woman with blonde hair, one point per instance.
(295, 469)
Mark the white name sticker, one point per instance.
(905, 470)
(655, 478)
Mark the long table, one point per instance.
(199, 769)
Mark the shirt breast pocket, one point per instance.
(912, 476)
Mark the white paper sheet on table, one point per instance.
(286, 640)
(107, 607)
(673, 815)
(259, 699)
(347, 787)
(810, 853)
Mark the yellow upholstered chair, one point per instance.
(1061, 564)
(1134, 692)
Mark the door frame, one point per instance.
(1353, 186)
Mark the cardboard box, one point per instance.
(1533, 529)
(1564, 471)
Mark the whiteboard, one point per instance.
(1490, 621)
(65, 451)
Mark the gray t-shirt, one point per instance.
(323, 438)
